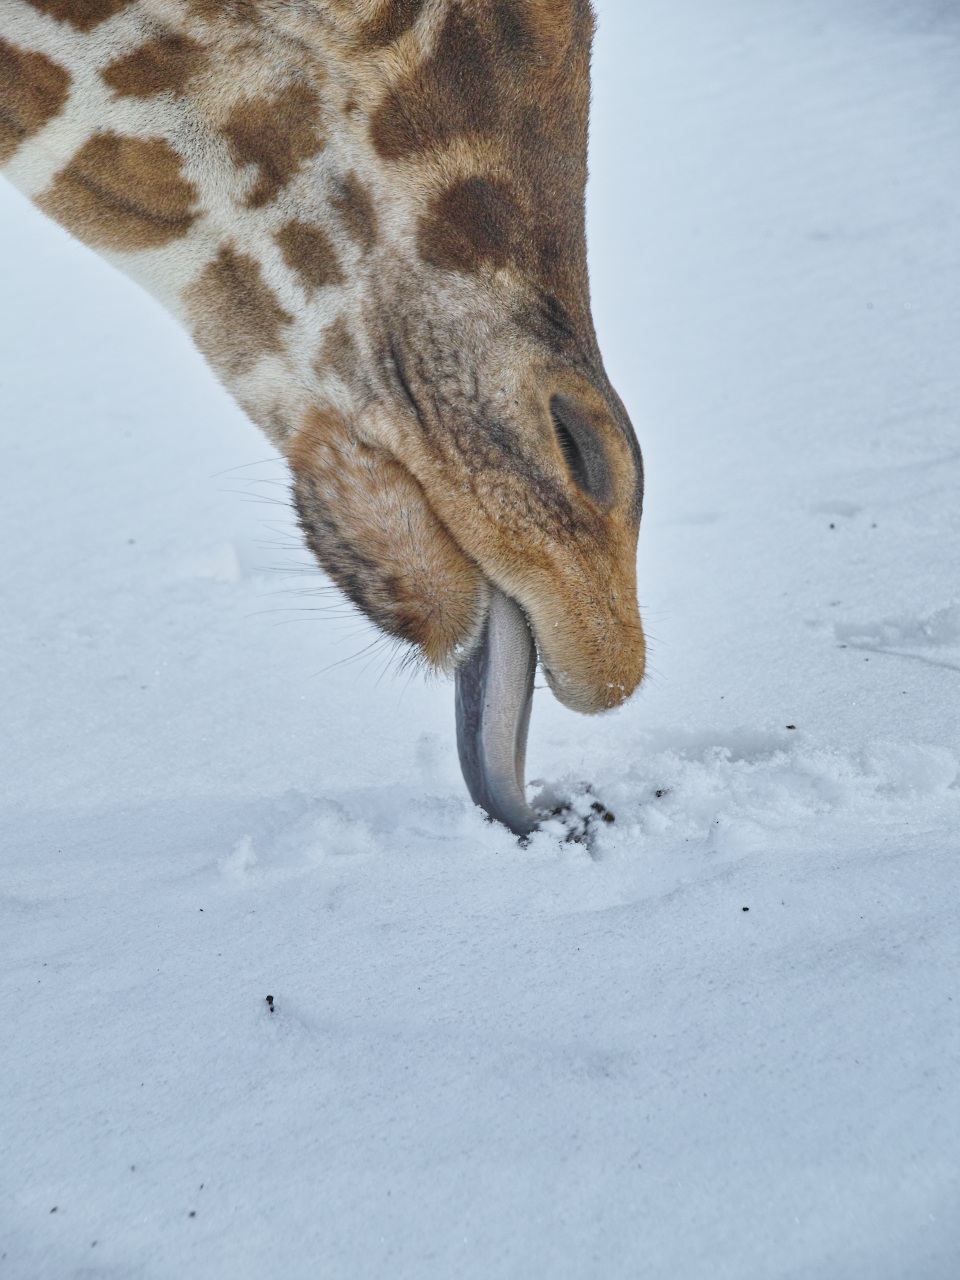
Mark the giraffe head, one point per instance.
(370, 215)
(479, 443)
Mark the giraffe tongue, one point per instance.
(494, 696)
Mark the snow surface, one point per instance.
(487, 1061)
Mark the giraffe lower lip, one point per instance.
(494, 694)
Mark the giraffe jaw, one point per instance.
(483, 564)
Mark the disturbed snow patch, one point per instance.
(736, 790)
(730, 793)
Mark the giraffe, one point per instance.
(369, 215)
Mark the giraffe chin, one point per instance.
(494, 696)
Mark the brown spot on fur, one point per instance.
(472, 223)
(309, 251)
(165, 63)
(276, 135)
(395, 18)
(236, 317)
(123, 193)
(33, 89)
(339, 356)
(368, 523)
(353, 203)
(513, 33)
(453, 93)
(82, 14)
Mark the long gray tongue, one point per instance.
(494, 696)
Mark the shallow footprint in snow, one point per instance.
(934, 639)
(319, 832)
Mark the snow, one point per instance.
(484, 1060)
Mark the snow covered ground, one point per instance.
(486, 1061)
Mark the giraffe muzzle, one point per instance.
(494, 695)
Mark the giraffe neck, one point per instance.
(218, 153)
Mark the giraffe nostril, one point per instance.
(582, 449)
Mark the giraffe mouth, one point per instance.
(494, 696)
